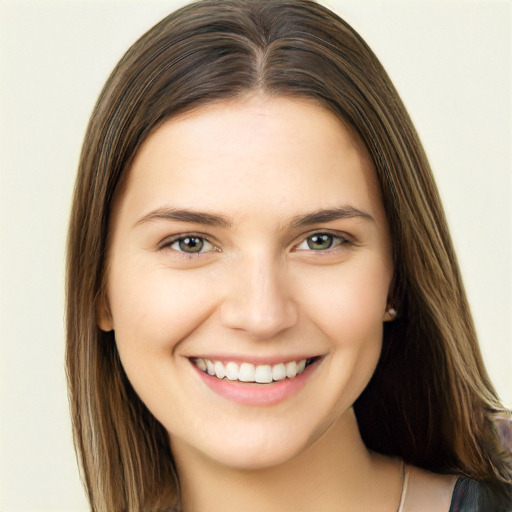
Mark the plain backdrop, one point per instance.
(451, 62)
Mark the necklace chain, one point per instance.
(403, 491)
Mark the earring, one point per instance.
(391, 314)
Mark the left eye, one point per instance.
(191, 245)
(320, 242)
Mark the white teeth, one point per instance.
(263, 374)
(232, 371)
(291, 369)
(279, 371)
(247, 372)
(220, 371)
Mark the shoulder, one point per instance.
(424, 491)
(472, 496)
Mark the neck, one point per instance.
(336, 472)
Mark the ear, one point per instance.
(103, 314)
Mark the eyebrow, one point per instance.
(186, 215)
(217, 220)
(328, 215)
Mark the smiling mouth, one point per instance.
(248, 372)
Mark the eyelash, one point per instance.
(167, 245)
(337, 241)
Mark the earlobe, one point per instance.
(103, 315)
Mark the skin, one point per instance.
(257, 289)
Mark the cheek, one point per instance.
(348, 302)
(349, 310)
(157, 308)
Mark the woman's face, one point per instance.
(251, 241)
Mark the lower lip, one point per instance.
(257, 394)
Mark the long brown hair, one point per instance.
(430, 400)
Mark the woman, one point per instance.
(264, 306)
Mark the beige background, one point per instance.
(451, 61)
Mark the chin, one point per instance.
(259, 455)
(257, 445)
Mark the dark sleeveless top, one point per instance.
(472, 496)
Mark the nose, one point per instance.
(258, 300)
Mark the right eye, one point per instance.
(190, 244)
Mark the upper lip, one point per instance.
(255, 359)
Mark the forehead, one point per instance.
(277, 152)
